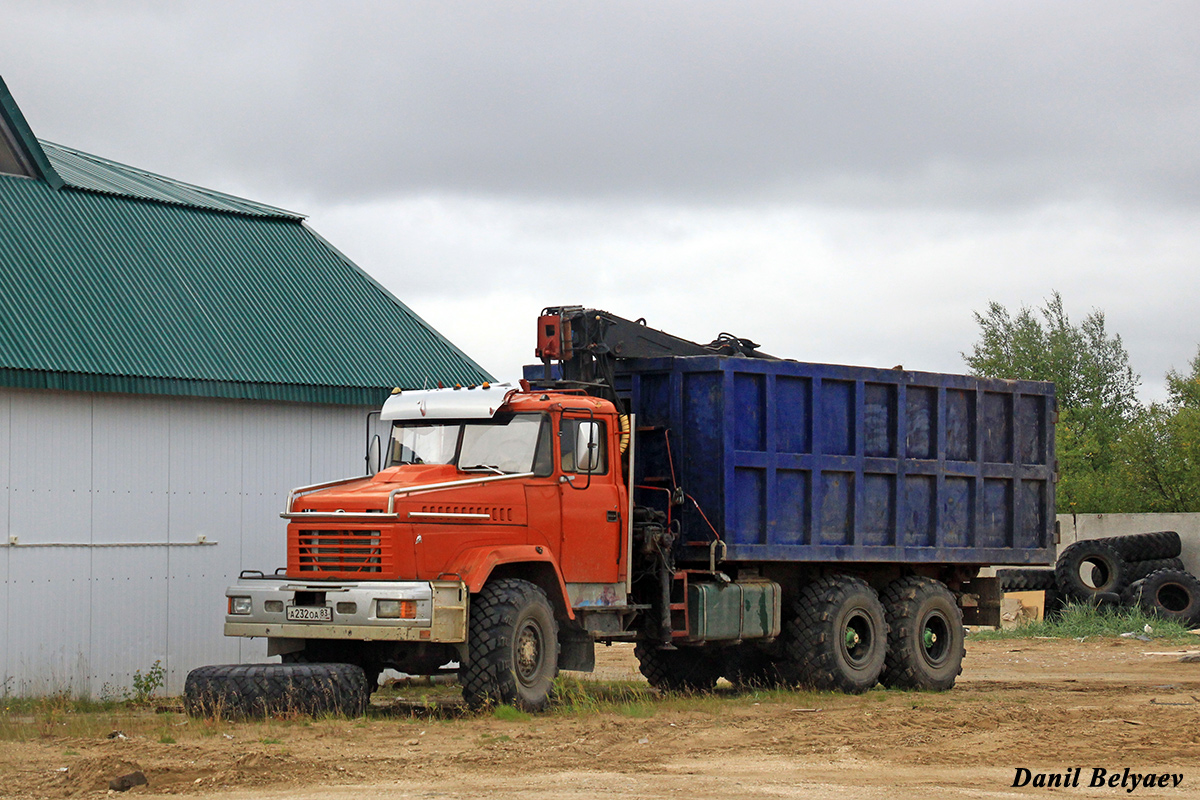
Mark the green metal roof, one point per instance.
(84, 171)
(124, 281)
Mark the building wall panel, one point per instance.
(5, 470)
(50, 490)
(130, 454)
(50, 620)
(130, 601)
(110, 496)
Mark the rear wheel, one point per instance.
(925, 635)
(513, 647)
(837, 637)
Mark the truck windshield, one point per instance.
(503, 444)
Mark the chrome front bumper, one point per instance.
(441, 610)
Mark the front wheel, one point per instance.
(512, 647)
(925, 638)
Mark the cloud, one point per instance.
(936, 103)
(877, 287)
(840, 182)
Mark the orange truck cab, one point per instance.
(492, 502)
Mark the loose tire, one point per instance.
(1169, 593)
(513, 647)
(1146, 546)
(1025, 580)
(687, 669)
(257, 690)
(1088, 567)
(1137, 570)
(837, 637)
(925, 635)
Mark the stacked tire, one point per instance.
(1139, 570)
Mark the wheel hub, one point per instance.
(528, 652)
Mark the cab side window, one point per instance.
(584, 446)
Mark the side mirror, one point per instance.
(373, 455)
(587, 447)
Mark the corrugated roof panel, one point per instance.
(103, 291)
(95, 174)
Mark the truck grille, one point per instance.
(339, 552)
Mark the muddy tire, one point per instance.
(1169, 593)
(513, 647)
(837, 637)
(1025, 580)
(925, 636)
(1146, 546)
(1089, 567)
(687, 669)
(237, 691)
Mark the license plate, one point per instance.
(309, 614)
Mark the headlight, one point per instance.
(239, 605)
(396, 609)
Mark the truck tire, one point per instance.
(1146, 546)
(1169, 593)
(1025, 579)
(1088, 567)
(925, 635)
(237, 691)
(837, 637)
(1136, 570)
(687, 669)
(512, 647)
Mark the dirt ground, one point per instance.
(1045, 705)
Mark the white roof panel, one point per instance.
(478, 403)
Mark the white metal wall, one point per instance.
(80, 473)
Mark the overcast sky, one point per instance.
(839, 182)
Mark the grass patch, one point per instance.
(573, 696)
(510, 714)
(1078, 621)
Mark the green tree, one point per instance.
(1094, 383)
(1161, 453)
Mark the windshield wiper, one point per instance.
(488, 467)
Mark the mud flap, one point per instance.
(980, 602)
(576, 650)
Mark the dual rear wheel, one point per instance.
(841, 635)
(845, 637)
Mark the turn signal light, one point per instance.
(396, 609)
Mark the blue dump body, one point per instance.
(791, 461)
